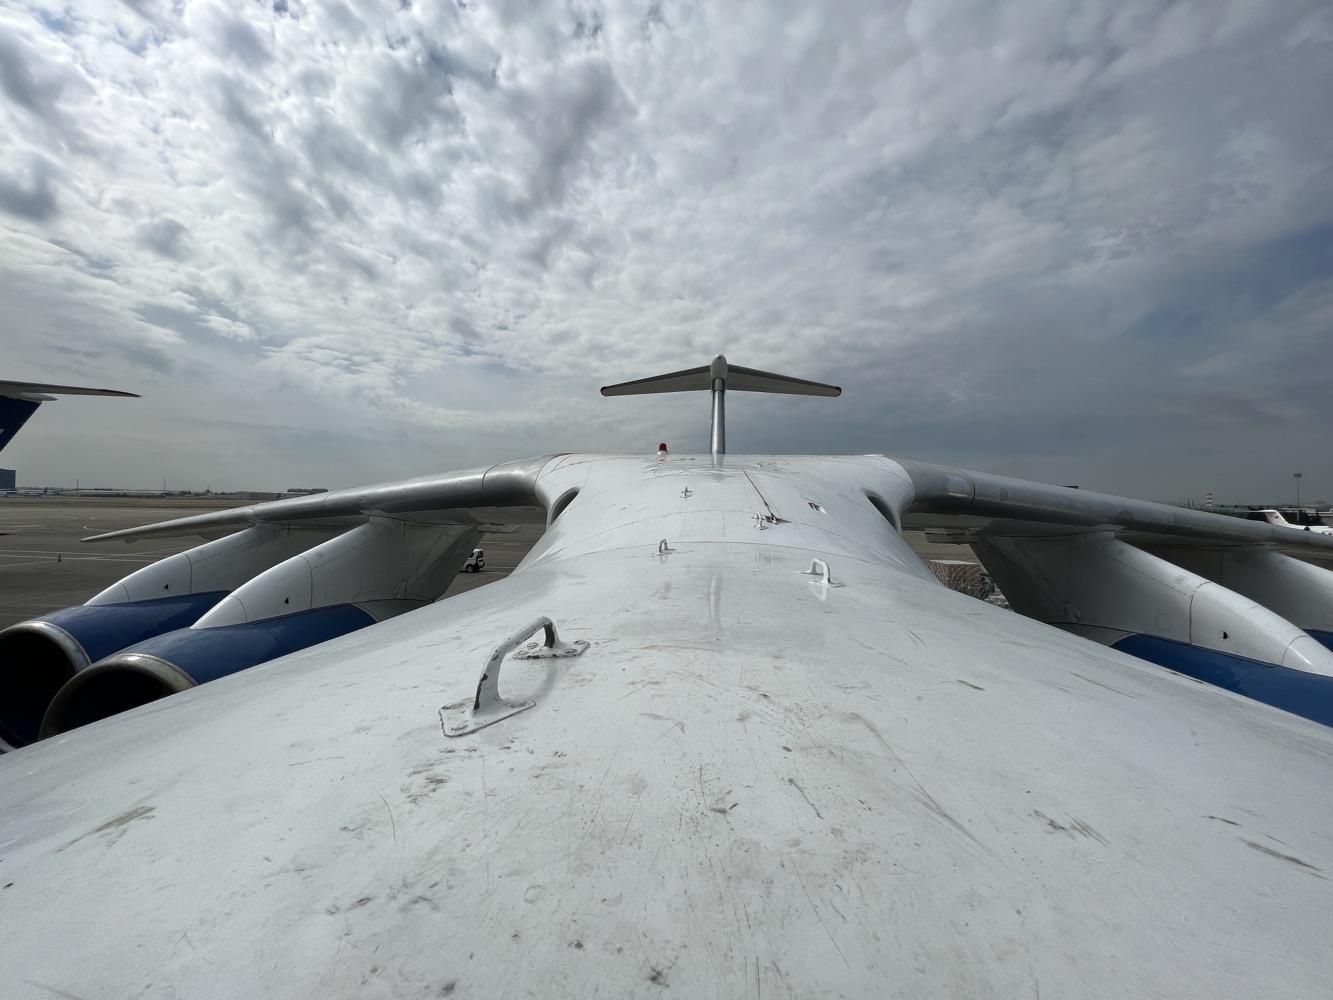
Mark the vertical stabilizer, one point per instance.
(14, 413)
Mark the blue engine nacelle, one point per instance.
(385, 567)
(1220, 614)
(38, 657)
(187, 657)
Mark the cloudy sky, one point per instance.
(341, 241)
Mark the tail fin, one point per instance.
(19, 401)
(14, 413)
(720, 376)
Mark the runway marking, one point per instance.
(26, 559)
(78, 552)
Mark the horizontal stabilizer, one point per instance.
(718, 377)
(689, 380)
(736, 378)
(43, 392)
(753, 380)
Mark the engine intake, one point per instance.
(38, 657)
(384, 567)
(175, 662)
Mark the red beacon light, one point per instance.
(662, 449)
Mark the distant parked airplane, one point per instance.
(19, 400)
(1273, 516)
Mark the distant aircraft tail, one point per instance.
(19, 401)
(14, 413)
(719, 377)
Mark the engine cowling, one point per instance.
(377, 570)
(1298, 591)
(187, 657)
(1094, 585)
(39, 656)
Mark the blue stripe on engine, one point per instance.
(101, 629)
(1295, 691)
(209, 653)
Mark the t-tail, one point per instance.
(719, 377)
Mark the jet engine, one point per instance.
(38, 656)
(1171, 607)
(384, 567)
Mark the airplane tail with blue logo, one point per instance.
(19, 401)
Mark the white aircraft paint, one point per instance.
(752, 783)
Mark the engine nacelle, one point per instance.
(1296, 590)
(375, 571)
(38, 657)
(1097, 586)
(188, 657)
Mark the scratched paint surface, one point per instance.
(751, 784)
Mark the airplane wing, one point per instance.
(720, 734)
(19, 401)
(512, 484)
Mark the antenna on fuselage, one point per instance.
(719, 376)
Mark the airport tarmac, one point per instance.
(44, 566)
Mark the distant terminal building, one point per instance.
(7, 481)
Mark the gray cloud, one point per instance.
(241, 39)
(564, 129)
(34, 91)
(413, 93)
(164, 236)
(150, 358)
(30, 193)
